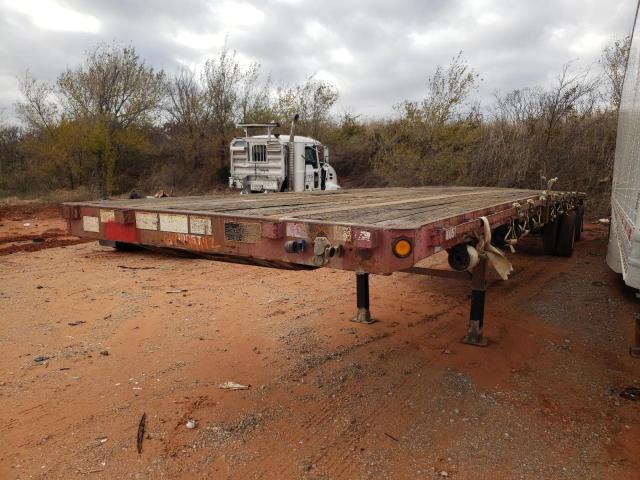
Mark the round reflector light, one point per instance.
(402, 248)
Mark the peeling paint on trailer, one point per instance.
(197, 243)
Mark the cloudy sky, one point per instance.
(377, 52)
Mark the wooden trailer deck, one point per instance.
(362, 225)
(380, 207)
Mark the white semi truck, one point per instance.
(271, 162)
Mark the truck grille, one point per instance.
(259, 153)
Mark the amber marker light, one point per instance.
(402, 247)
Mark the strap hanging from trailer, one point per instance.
(496, 257)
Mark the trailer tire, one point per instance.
(498, 236)
(579, 222)
(566, 234)
(550, 237)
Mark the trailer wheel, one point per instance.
(566, 234)
(579, 222)
(550, 237)
(498, 236)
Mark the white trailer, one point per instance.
(623, 254)
(273, 162)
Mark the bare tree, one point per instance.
(114, 85)
(190, 120)
(517, 106)
(222, 78)
(255, 97)
(186, 103)
(573, 92)
(39, 109)
(312, 100)
(448, 90)
(614, 63)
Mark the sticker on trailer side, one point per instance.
(244, 232)
(107, 216)
(450, 233)
(200, 225)
(171, 222)
(363, 235)
(90, 224)
(341, 233)
(146, 221)
(298, 230)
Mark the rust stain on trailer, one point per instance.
(244, 232)
(195, 242)
(316, 230)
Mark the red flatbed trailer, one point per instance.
(378, 231)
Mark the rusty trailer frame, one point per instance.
(357, 230)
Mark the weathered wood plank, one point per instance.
(382, 207)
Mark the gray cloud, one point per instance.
(377, 52)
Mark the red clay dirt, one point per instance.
(138, 332)
(29, 228)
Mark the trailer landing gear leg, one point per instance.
(362, 296)
(476, 317)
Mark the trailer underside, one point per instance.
(367, 230)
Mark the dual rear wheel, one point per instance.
(559, 235)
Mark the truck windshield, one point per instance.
(310, 156)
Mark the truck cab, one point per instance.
(273, 162)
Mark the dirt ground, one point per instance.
(28, 228)
(93, 338)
